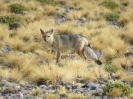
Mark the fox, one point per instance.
(63, 42)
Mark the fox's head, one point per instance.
(47, 36)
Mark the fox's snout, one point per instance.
(46, 39)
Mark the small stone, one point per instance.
(89, 85)
(93, 88)
(105, 97)
(6, 49)
(20, 53)
(14, 26)
(43, 86)
(80, 91)
(68, 86)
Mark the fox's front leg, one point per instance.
(58, 56)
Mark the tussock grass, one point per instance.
(129, 78)
(44, 54)
(77, 72)
(62, 90)
(74, 15)
(125, 18)
(16, 44)
(4, 33)
(126, 35)
(123, 62)
(51, 96)
(120, 75)
(4, 8)
(66, 28)
(49, 10)
(115, 92)
(24, 68)
(76, 96)
(45, 74)
(13, 60)
(53, 74)
(94, 74)
(10, 60)
(111, 42)
(4, 73)
(33, 5)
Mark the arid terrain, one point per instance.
(27, 65)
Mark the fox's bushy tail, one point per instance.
(89, 52)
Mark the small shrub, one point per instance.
(109, 5)
(115, 88)
(112, 17)
(17, 8)
(10, 19)
(9, 90)
(37, 92)
(112, 68)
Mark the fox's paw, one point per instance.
(98, 62)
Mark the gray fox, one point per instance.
(62, 42)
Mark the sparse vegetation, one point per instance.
(36, 92)
(17, 8)
(112, 68)
(10, 19)
(109, 4)
(52, 2)
(106, 24)
(116, 88)
(9, 90)
(112, 17)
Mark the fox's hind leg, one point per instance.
(79, 53)
(83, 53)
(80, 49)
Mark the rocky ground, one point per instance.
(11, 90)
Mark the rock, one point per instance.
(79, 90)
(68, 86)
(93, 88)
(17, 87)
(105, 97)
(27, 97)
(67, 9)
(112, 75)
(89, 85)
(129, 51)
(14, 26)
(20, 53)
(97, 97)
(6, 49)
(21, 95)
(43, 86)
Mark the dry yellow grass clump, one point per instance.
(90, 18)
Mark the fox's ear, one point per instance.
(51, 31)
(42, 32)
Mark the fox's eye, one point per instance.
(48, 36)
(44, 36)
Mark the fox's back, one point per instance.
(69, 41)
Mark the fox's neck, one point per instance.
(52, 42)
